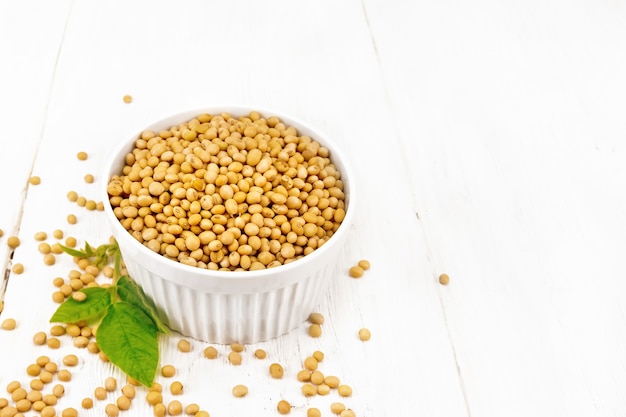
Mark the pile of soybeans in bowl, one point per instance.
(230, 193)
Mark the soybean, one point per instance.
(176, 388)
(58, 390)
(123, 402)
(210, 352)
(110, 384)
(154, 397)
(356, 272)
(344, 390)
(112, 410)
(70, 360)
(159, 410)
(315, 330)
(129, 390)
(49, 259)
(86, 403)
(13, 242)
(192, 409)
(40, 338)
(304, 375)
(240, 390)
(313, 412)
(332, 381)
(174, 408)
(9, 324)
(364, 264)
(236, 347)
(53, 343)
(33, 369)
(316, 318)
(276, 370)
(317, 377)
(364, 334)
(234, 358)
(64, 375)
(168, 371)
(283, 407)
(184, 345)
(310, 363)
(309, 390)
(323, 389)
(69, 412)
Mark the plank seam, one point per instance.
(7, 267)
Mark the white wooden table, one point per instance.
(489, 141)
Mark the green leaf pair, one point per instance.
(100, 255)
(126, 319)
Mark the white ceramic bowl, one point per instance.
(232, 306)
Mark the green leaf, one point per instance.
(73, 252)
(129, 291)
(129, 340)
(96, 303)
(88, 249)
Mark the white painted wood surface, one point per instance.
(489, 141)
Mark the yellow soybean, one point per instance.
(9, 324)
(13, 242)
(316, 318)
(364, 334)
(315, 330)
(168, 371)
(276, 370)
(176, 388)
(240, 390)
(283, 407)
(356, 272)
(344, 390)
(313, 412)
(184, 345)
(210, 352)
(234, 358)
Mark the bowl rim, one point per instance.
(336, 154)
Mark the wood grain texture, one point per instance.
(26, 74)
(488, 143)
(507, 118)
(297, 58)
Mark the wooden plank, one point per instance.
(297, 58)
(511, 130)
(28, 65)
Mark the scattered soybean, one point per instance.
(240, 390)
(364, 334)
